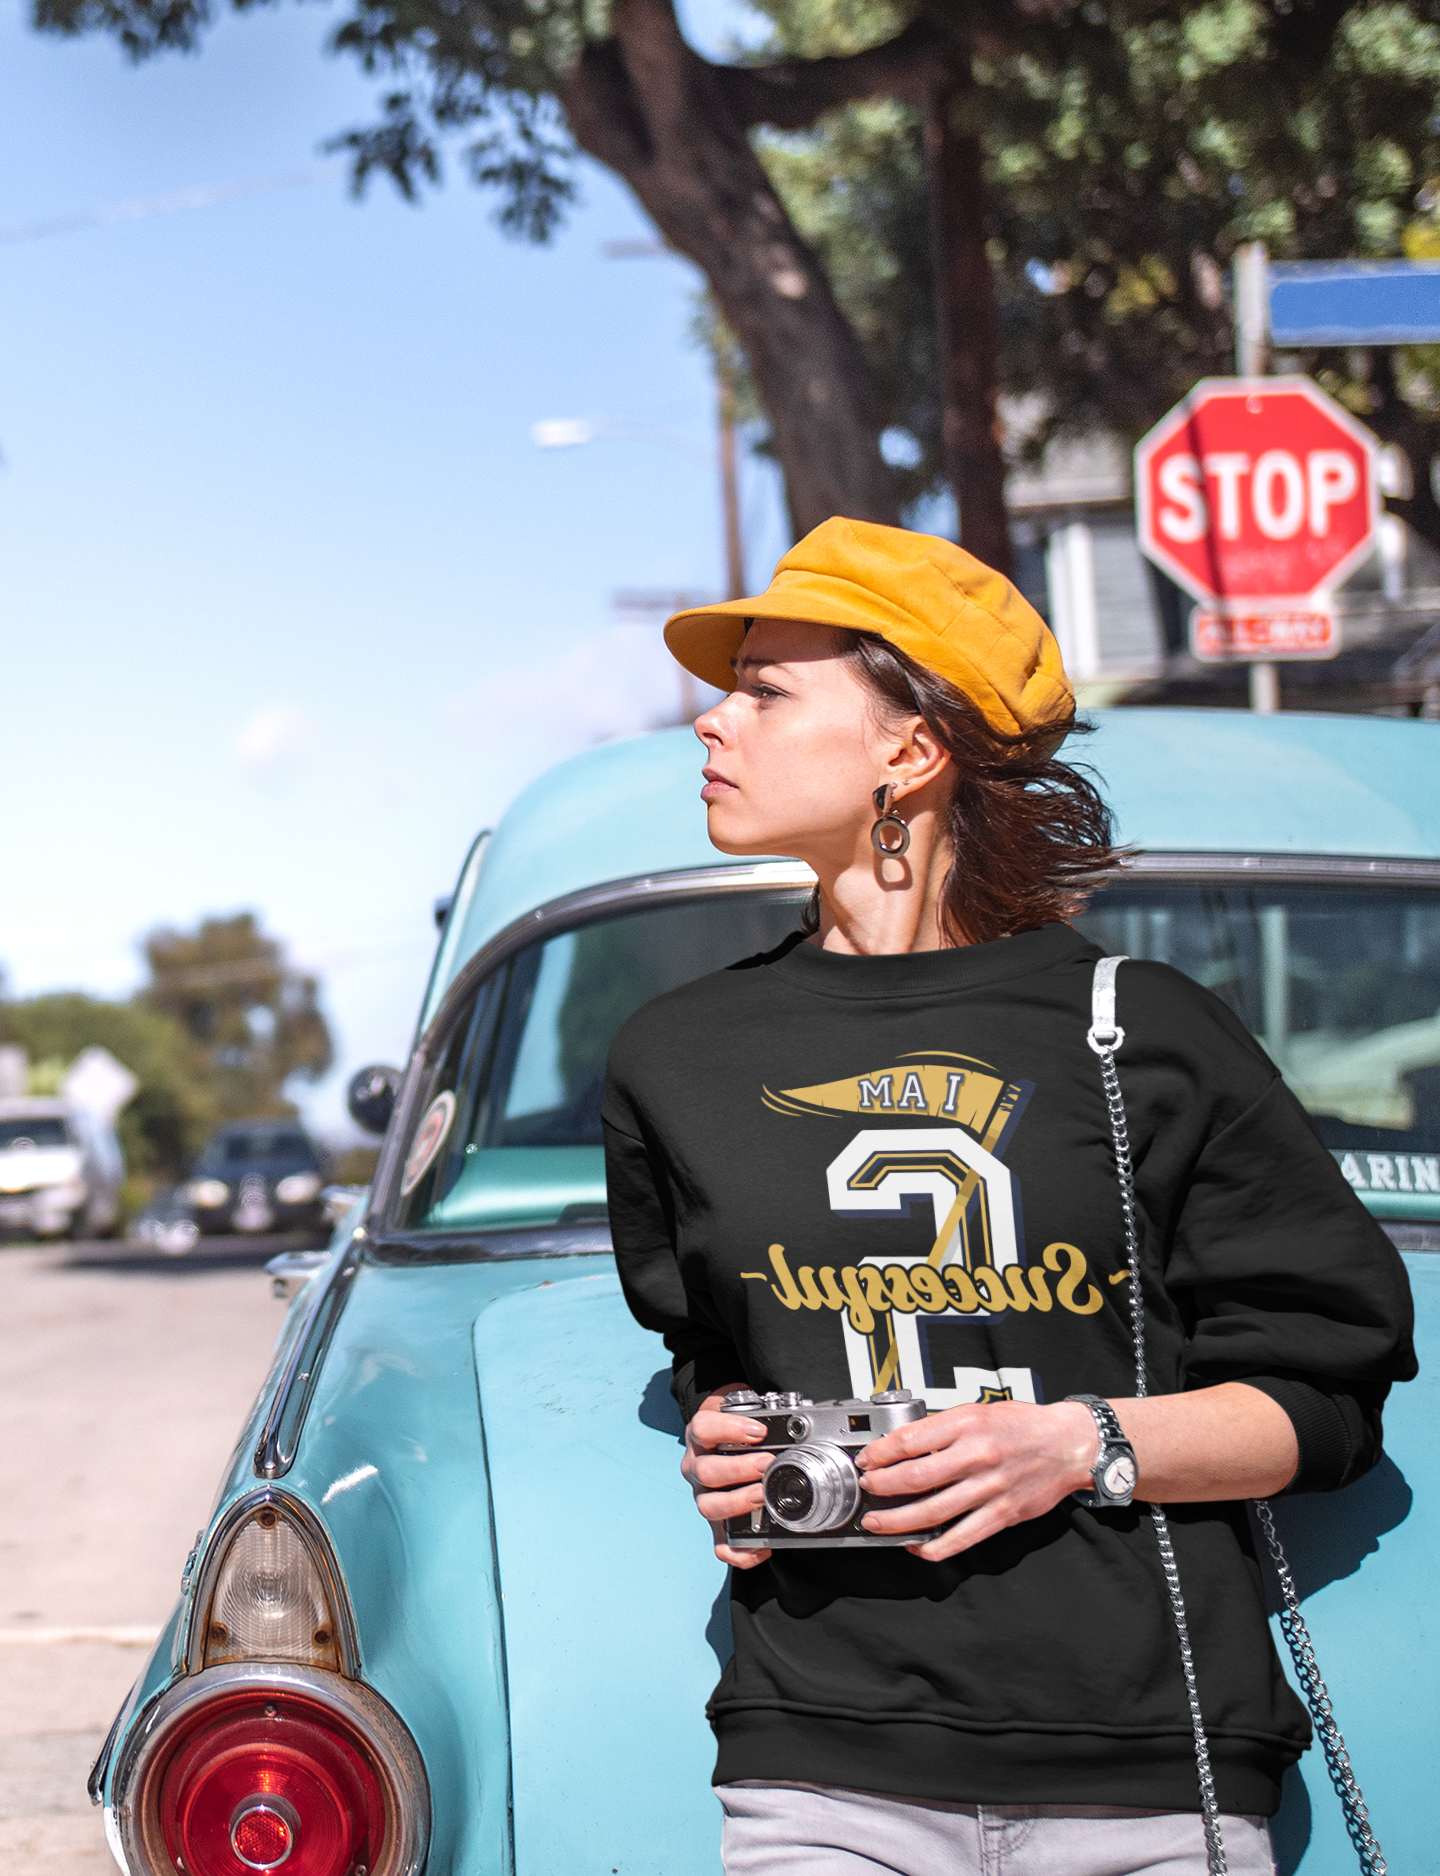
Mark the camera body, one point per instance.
(813, 1496)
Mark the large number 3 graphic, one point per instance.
(972, 1202)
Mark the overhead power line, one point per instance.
(146, 208)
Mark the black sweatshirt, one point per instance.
(790, 1139)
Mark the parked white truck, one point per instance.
(61, 1169)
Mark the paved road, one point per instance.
(124, 1380)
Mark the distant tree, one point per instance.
(164, 1124)
(255, 1020)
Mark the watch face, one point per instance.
(1118, 1477)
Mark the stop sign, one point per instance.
(1257, 488)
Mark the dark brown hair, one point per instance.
(1032, 838)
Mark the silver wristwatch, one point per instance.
(1114, 1472)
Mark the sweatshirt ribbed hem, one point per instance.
(990, 1765)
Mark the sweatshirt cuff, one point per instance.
(1329, 1428)
(694, 1376)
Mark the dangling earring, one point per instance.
(887, 818)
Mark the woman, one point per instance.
(879, 1156)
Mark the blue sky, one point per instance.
(292, 604)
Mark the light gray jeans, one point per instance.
(782, 1827)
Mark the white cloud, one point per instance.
(273, 739)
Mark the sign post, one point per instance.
(99, 1083)
(1258, 496)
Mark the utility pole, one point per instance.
(730, 491)
(1252, 360)
(734, 545)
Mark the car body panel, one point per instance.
(616, 1614)
(398, 1386)
(1364, 1565)
(490, 1445)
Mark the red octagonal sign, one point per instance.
(1257, 488)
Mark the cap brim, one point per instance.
(705, 638)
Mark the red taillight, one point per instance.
(270, 1781)
(263, 1831)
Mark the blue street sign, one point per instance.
(1354, 302)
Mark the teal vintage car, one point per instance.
(453, 1610)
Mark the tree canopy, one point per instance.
(215, 1034)
(255, 1020)
(173, 1109)
(1126, 160)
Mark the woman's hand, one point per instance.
(987, 1467)
(711, 1473)
(995, 1465)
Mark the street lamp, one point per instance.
(575, 432)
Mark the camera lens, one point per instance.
(812, 1488)
(792, 1495)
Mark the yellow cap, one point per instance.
(940, 605)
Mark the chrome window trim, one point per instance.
(280, 1434)
(483, 1245)
(190, 1651)
(1291, 869)
(1412, 1235)
(395, 1751)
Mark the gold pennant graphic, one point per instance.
(939, 1085)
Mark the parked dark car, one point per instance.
(259, 1176)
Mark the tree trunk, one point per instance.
(649, 108)
(967, 324)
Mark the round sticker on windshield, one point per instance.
(429, 1138)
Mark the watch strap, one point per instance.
(1114, 1443)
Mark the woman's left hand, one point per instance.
(987, 1467)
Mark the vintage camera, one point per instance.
(813, 1494)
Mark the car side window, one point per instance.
(509, 1127)
(463, 1074)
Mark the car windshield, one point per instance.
(1339, 982)
(259, 1143)
(27, 1130)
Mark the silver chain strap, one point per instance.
(1317, 1698)
(1105, 1037)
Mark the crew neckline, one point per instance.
(911, 973)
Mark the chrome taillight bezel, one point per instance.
(387, 1738)
(190, 1651)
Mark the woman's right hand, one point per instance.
(725, 1484)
